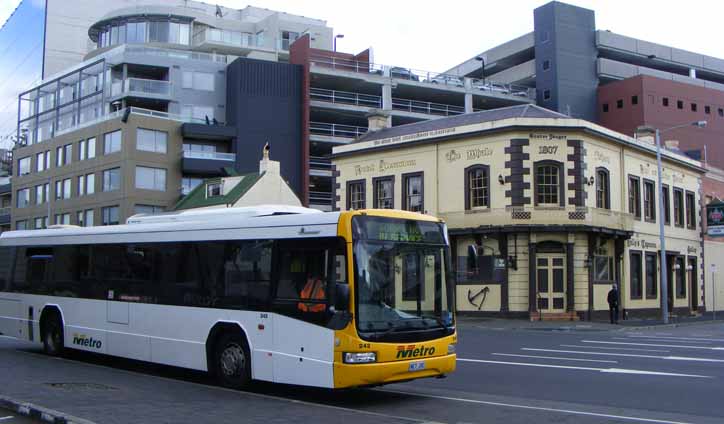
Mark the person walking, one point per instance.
(613, 304)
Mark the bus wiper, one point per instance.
(437, 319)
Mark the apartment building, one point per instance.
(209, 87)
(545, 212)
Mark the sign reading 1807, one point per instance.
(547, 150)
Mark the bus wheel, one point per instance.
(53, 336)
(232, 361)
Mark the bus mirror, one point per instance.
(341, 301)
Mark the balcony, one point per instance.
(336, 130)
(540, 216)
(321, 200)
(372, 101)
(206, 163)
(139, 87)
(213, 39)
(203, 131)
(427, 108)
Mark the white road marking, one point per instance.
(9, 417)
(554, 357)
(8, 337)
(569, 367)
(703, 339)
(617, 348)
(629, 355)
(535, 408)
(655, 345)
(660, 340)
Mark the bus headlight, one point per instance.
(359, 357)
(451, 349)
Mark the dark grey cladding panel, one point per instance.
(565, 38)
(204, 167)
(208, 132)
(264, 104)
(5, 188)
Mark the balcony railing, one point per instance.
(227, 37)
(320, 162)
(178, 54)
(320, 197)
(346, 97)
(143, 86)
(417, 75)
(426, 107)
(336, 130)
(5, 211)
(209, 155)
(538, 215)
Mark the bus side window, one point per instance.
(19, 282)
(6, 266)
(248, 274)
(39, 272)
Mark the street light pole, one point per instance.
(481, 59)
(662, 239)
(335, 40)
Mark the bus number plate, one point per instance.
(417, 366)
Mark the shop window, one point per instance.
(603, 194)
(635, 274)
(477, 187)
(678, 207)
(384, 192)
(667, 204)
(649, 201)
(548, 187)
(651, 275)
(356, 195)
(634, 196)
(603, 268)
(413, 196)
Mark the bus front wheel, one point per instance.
(53, 335)
(233, 361)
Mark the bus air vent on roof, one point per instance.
(219, 213)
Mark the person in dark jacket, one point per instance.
(613, 304)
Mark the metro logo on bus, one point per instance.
(410, 351)
(85, 341)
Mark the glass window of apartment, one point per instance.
(40, 222)
(413, 197)
(356, 195)
(112, 142)
(91, 148)
(721, 112)
(634, 196)
(24, 166)
(85, 218)
(619, 104)
(198, 112)
(22, 197)
(59, 156)
(213, 190)
(40, 162)
(603, 194)
(634, 100)
(680, 270)
(67, 153)
(21, 225)
(547, 184)
(477, 182)
(678, 207)
(189, 183)
(693, 107)
(90, 184)
(384, 192)
(690, 210)
(81, 185)
(112, 179)
(110, 215)
(546, 94)
(602, 268)
(198, 80)
(41, 193)
(636, 275)
(150, 178)
(649, 201)
(148, 209)
(665, 101)
(151, 140)
(62, 219)
(679, 104)
(260, 38)
(82, 149)
(605, 107)
(651, 275)
(707, 109)
(62, 189)
(667, 204)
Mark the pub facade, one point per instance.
(545, 212)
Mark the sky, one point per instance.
(436, 35)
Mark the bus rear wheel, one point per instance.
(232, 361)
(52, 332)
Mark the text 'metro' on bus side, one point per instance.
(282, 294)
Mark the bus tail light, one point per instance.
(359, 357)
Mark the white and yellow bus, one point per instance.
(281, 294)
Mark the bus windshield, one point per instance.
(403, 283)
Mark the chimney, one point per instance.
(267, 165)
(646, 135)
(378, 119)
(672, 144)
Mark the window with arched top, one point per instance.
(603, 189)
(477, 187)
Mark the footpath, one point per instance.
(629, 324)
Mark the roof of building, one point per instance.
(198, 199)
(518, 111)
